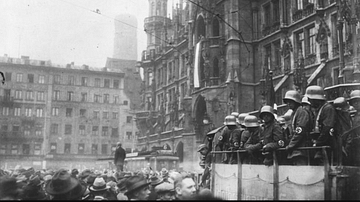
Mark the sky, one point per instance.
(66, 31)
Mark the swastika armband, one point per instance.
(298, 130)
(220, 138)
(331, 131)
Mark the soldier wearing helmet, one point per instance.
(355, 102)
(236, 114)
(272, 136)
(253, 142)
(323, 133)
(354, 150)
(230, 139)
(299, 129)
(241, 119)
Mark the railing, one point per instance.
(310, 59)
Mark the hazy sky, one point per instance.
(65, 31)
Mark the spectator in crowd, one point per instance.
(74, 173)
(122, 189)
(137, 188)
(64, 187)
(33, 189)
(206, 159)
(206, 195)
(185, 187)
(100, 190)
(120, 155)
(9, 189)
(154, 181)
(165, 191)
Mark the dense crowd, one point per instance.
(89, 184)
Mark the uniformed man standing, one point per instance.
(354, 147)
(229, 140)
(253, 142)
(300, 127)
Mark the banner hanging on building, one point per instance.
(197, 65)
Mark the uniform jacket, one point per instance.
(325, 120)
(301, 126)
(228, 138)
(253, 139)
(271, 135)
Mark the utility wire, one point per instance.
(218, 16)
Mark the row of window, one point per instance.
(70, 80)
(70, 96)
(18, 111)
(36, 150)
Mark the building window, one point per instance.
(70, 96)
(2, 149)
(8, 76)
(29, 95)
(4, 128)
(97, 98)
(14, 149)
(125, 102)
(95, 130)
(37, 149)
(106, 98)
(81, 148)
(128, 119)
(67, 148)
(41, 79)
(116, 99)
(299, 4)
(104, 149)
(56, 95)
(31, 78)
(116, 84)
(71, 80)
(96, 114)
(28, 112)
(27, 132)
(55, 111)
(18, 94)
(115, 115)
(16, 128)
(94, 149)
(19, 77)
(105, 115)
(84, 81)
(38, 132)
(56, 79)
(106, 83)
(68, 112)
(17, 111)
(82, 129)
(39, 112)
(26, 149)
(68, 129)
(82, 112)
(115, 132)
(5, 111)
(300, 44)
(83, 97)
(312, 42)
(105, 131)
(97, 82)
(7, 94)
(40, 96)
(267, 15)
(53, 147)
(54, 129)
(128, 135)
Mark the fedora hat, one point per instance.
(61, 183)
(34, 180)
(155, 180)
(121, 184)
(134, 183)
(99, 185)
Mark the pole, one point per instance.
(340, 25)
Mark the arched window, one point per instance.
(215, 27)
(200, 30)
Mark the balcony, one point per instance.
(308, 9)
(157, 20)
(310, 59)
(297, 15)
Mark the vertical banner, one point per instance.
(197, 63)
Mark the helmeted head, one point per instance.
(251, 121)
(341, 104)
(265, 110)
(292, 95)
(202, 147)
(305, 101)
(230, 120)
(241, 118)
(315, 93)
(355, 98)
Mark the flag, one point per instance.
(197, 65)
(271, 92)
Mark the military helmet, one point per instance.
(241, 118)
(230, 120)
(251, 121)
(355, 94)
(292, 95)
(266, 109)
(315, 93)
(340, 102)
(236, 114)
(305, 100)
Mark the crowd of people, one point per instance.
(89, 184)
(311, 121)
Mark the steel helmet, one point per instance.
(292, 95)
(281, 120)
(236, 114)
(315, 93)
(230, 120)
(305, 100)
(266, 109)
(355, 94)
(241, 118)
(340, 102)
(251, 121)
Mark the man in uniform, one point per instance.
(253, 143)
(324, 133)
(229, 140)
(354, 133)
(120, 155)
(299, 129)
(205, 158)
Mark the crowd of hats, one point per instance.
(30, 184)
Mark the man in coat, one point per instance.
(120, 155)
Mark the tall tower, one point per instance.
(125, 42)
(156, 24)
